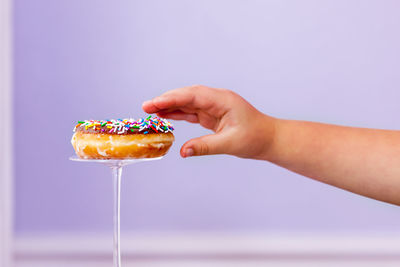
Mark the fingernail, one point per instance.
(146, 102)
(159, 98)
(189, 152)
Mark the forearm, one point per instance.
(363, 161)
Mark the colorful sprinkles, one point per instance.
(122, 126)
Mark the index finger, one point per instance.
(168, 101)
(193, 97)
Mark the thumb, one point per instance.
(205, 145)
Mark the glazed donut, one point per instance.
(123, 138)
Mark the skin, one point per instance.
(363, 161)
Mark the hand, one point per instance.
(364, 161)
(239, 128)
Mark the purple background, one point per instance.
(330, 61)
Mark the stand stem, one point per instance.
(116, 167)
(117, 171)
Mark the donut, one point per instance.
(122, 138)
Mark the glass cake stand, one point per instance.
(116, 168)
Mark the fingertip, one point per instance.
(189, 152)
(153, 105)
(149, 107)
(147, 102)
(182, 155)
(186, 151)
(162, 102)
(182, 152)
(146, 105)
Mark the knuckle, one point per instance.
(197, 87)
(230, 95)
(229, 92)
(203, 148)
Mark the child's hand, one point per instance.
(240, 129)
(364, 161)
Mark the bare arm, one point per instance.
(363, 161)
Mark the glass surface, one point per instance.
(116, 168)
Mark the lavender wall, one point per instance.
(331, 61)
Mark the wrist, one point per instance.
(269, 136)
